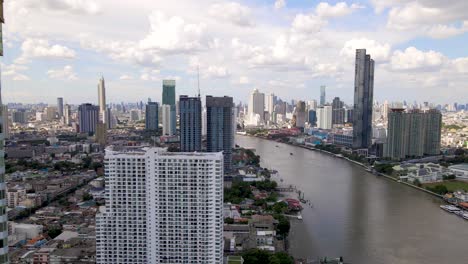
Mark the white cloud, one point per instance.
(149, 74)
(173, 35)
(307, 24)
(446, 31)
(216, 72)
(232, 12)
(280, 4)
(40, 48)
(244, 80)
(378, 51)
(15, 72)
(324, 9)
(461, 65)
(125, 77)
(69, 6)
(66, 73)
(414, 59)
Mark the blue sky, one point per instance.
(291, 47)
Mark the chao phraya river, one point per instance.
(365, 218)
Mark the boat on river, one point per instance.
(450, 208)
(291, 154)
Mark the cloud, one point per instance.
(233, 13)
(216, 72)
(446, 31)
(125, 77)
(461, 65)
(307, 24)
(280, 4)
(414, 59)
(244, 80)
(378, 51)
(68, 6)
(324, 9)
(15, 72)
(173, 35)
(66, 73)
(148, 74)
(40, 48)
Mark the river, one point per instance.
(362, 217)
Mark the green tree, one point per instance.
(229, 220)
(283, 226)
(417, 183)
(54, 232)
(87, 197)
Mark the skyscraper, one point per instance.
(270, 103)
(3, 212)
(220, 135)
(190, 123)
(363, 100)
(323, 98)
(324, 117)
(166, 115)
(168, 98)
(413, 134)
(60, 107)
(152, 116)
(67, 115)
(102, 99)
(338, 115)
(88, 116)
(256, 106)
(173, 213)
(300, 114)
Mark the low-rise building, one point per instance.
(460, 171)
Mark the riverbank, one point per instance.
(367, 168)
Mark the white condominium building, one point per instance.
(162, 207)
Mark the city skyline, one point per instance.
(303, 45)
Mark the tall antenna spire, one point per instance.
(198, 79)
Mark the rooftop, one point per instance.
(463, 166)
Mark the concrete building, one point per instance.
(135, 115)
(220, 135)
(324, 117)
(160, 219)
(363, 100)
(190, 123)
(102, 100)
(270, 103)
(256, 107)
(67, 115)
(60, 107)
(3, 213)
(19, 116)
(88, 116)
(338, 115)
(460, 171)
(167, 120)
(413, 134)
(152, 116)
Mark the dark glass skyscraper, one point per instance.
(168, 98)
(88, 116)
(190, 123)
(152, 116)
(338, 114)
(363, 100)
(219, 120)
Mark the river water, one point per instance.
(362, 217)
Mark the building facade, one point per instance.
(60, 106)
(88, 116)
(413, 134)
(166, 116)
(323, 98)
(161, 207)
(169, 98)
(324, 117)
(190, 123)
(220, 135)
(3, 213)
(102, 99)
(256, 106)
(363, 100)
(152, 116)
